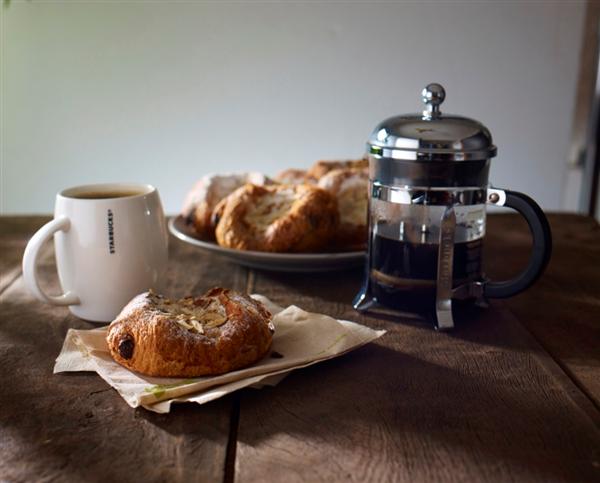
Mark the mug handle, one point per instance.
(30, 262)
(542, 242)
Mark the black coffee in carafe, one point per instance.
(403, 273)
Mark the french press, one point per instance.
(428, 182)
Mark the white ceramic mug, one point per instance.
(111, 243)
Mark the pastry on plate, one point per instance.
(206, 194)
(351, 190)
(195, 336)
(321, 168)
(279, 218)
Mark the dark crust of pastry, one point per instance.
(307, 226)
(149, 341)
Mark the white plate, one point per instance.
(279, 262)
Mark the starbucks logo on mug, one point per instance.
(111, 234)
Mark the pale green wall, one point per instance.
(162, 92)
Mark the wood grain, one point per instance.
(562, 310)
(484, 403)
(72, 427)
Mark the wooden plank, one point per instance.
(483, 403)
(562, 310)
(15, 231)
(72, 427)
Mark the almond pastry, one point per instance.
(195, 336)
(280, 218)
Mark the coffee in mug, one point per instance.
(111, 243)
(99, 195)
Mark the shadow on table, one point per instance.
(332, 293)
(464, 409)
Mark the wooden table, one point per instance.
(514, 395)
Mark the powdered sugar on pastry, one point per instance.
(270, 207)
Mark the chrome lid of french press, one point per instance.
(432, 135)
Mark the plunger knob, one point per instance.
(433, 95)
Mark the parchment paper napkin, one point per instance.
(301, 337)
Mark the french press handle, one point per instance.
(542, 242)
